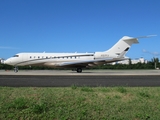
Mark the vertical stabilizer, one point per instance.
(122, 46)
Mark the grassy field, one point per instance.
(80, 103)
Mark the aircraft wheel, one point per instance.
(15, 69)
(79, 70)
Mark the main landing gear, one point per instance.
(15, 69)
(79, 70)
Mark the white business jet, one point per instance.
(76, 61)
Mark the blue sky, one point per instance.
(78, 26)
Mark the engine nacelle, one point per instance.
(101, 55)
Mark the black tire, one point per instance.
(79, 70)
(16, 69)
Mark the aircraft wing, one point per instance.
(86, 63)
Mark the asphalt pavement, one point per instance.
(79, 80)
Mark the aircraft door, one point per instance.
(24, 57)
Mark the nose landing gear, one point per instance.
(15, 69)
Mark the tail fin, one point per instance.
(122, 46)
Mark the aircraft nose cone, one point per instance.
(7, 62)
(2, 61)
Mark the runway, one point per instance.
(93, 78)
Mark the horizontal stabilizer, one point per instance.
(148, 36)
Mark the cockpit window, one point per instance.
(16, 56)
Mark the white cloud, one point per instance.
(152, 53)
(156, 53)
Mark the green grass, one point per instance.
(80, 103)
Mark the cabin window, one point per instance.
(30, 57)
(16, 56)
(38, 57)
